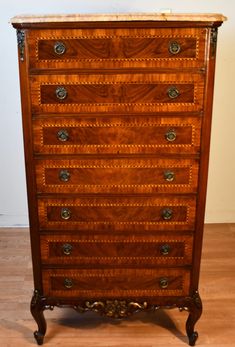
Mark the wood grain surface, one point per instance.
(120, 213)
(116, 250)
(116, 175)
(98, 134)
(113, 92)
(116, 48)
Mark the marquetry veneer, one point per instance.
(116, 117)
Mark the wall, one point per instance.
(221, 189)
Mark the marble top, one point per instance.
(197, 17)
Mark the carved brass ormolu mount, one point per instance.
(21, 43)
(117, 309)
(213, 39)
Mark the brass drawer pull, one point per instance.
(59, 48)
(64, 175)
(174, 47)
(68, 283)
(63, 135)
(173, 92)
(61, 93)
(167, 213)
(67, 248)
(65, 213)
(169, 175)
(163, 282)
(170, 135)
(165, 249)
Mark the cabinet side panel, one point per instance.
(29, 166)
(205, 150)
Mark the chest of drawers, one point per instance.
(116, 118)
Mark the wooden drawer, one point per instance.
(118, 213)
(117, 48)
(95, 135)
(109, 92)
(132, 175)
(115, 283)
(111, 250)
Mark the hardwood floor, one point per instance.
(163, 328)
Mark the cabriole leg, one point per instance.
(37, 307)
(195, 311)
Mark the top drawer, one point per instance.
(117, 48)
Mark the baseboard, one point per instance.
(18, 221)
(226, 216)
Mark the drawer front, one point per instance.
(125, 251)
(95, 135)
(117, 175)
(109, 283)
(114, 48)
(117, 93)
(118, 213)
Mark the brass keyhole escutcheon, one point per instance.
(165, 249)
(173, 92)
(59, 48)
(64, 175)
(169, 175)
(174, 47)
(170, 135)
(65, 213)
(63, 135)
(61, 93)
(164, 282)
(67, 248)
(167, 213)
(68, 283)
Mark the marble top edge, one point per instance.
(201, 17)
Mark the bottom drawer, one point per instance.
(107, 283)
